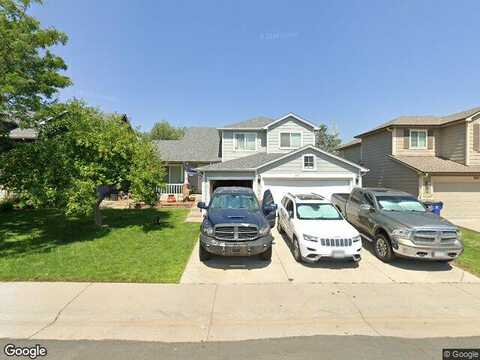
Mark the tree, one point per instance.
(164, 131)
(80, 157)
(29, 72)
(326, 140)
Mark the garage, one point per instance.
(460, 196)
(229, 182)
(325, 187)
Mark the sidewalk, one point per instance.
(190, 313)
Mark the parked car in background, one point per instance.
(316, 229)
(398, 224)
(236, 225)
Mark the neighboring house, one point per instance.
(434, 158)
(263, 153)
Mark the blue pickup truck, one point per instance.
(236, 224)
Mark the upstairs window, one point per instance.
(245, 142)
(290, 140)
(418, 139)
(308, 162)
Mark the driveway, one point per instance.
(284, 269)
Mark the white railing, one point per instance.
(171, 189)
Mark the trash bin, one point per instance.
(434, 206)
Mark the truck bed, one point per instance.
(340, 201)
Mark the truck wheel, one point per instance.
(267, 255)
(296, 250)
(203, 254)
(383, 248)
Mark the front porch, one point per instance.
(177, 177)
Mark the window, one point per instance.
(400, 203)
(308, 162)
(317, 212)
(289, 208)
(290, 140)
(245, 141)
(234, 201)
(418, 139)
(175, 174)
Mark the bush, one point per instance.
(6, 205)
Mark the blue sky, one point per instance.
(348, 64)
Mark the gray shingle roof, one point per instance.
(200, 144)
(249, 162)
(350, 143)
(253, 123)
(425, 120)
(433, 164)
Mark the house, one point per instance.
(432, 157)
(261, 153)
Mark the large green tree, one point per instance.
(164, 131)
(327, 140)
(30, 74)
(81, 156)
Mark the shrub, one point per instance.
(6, 205)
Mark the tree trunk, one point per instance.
(98, 214)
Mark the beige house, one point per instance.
(434, 158)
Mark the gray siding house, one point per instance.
(262, 153)
(431, 157)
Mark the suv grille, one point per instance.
(236, 232)
(428, 237)
(336, 242)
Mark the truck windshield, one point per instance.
(317, 212)
(400, 203)
(234, 201)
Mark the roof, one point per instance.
(428, 120)
(262, 122)
(308, 197)
(386, 191)
(258, 160)
(433, 164)
(199, 144)
(233, 190)
(350, 144)
(250, 162)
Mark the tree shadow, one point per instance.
(24, 232)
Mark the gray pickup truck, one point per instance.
(398, 224)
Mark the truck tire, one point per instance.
(267, 255)
(383, 248)
(203, 254)
(297, 254)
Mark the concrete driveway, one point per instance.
(284, 269)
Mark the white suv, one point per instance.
(317, 229)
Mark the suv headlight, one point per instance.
(264, 230)
(402, 234)
(310, 238)
(357, 238)
(207, 228)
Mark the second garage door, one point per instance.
(460, 196)
(325, 187)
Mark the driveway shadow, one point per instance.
(237, 262)
(411, 264)
(324, 263)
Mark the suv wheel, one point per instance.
(203, 254)
(383, 248)
(267, 255)
(296, 250)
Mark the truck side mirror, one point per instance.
(201, 205)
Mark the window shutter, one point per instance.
(431, 139)
(476, 137)
(406, 138)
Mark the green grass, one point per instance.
(45, 245)
(470, 259)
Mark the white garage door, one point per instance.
(324, 187)
(460, 196)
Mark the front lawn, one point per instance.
(133, 247)
(470, 259)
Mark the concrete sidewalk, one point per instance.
(190, 313)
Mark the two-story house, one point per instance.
(432, 157)
(261, 153)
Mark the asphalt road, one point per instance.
(315, 347)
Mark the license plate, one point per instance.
(439, 254)
(236, 250)
(338, 254)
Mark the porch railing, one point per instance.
(171, 189)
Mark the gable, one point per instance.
(289, 125)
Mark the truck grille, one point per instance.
(234, 232)
(336, 242)
(430, 237)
